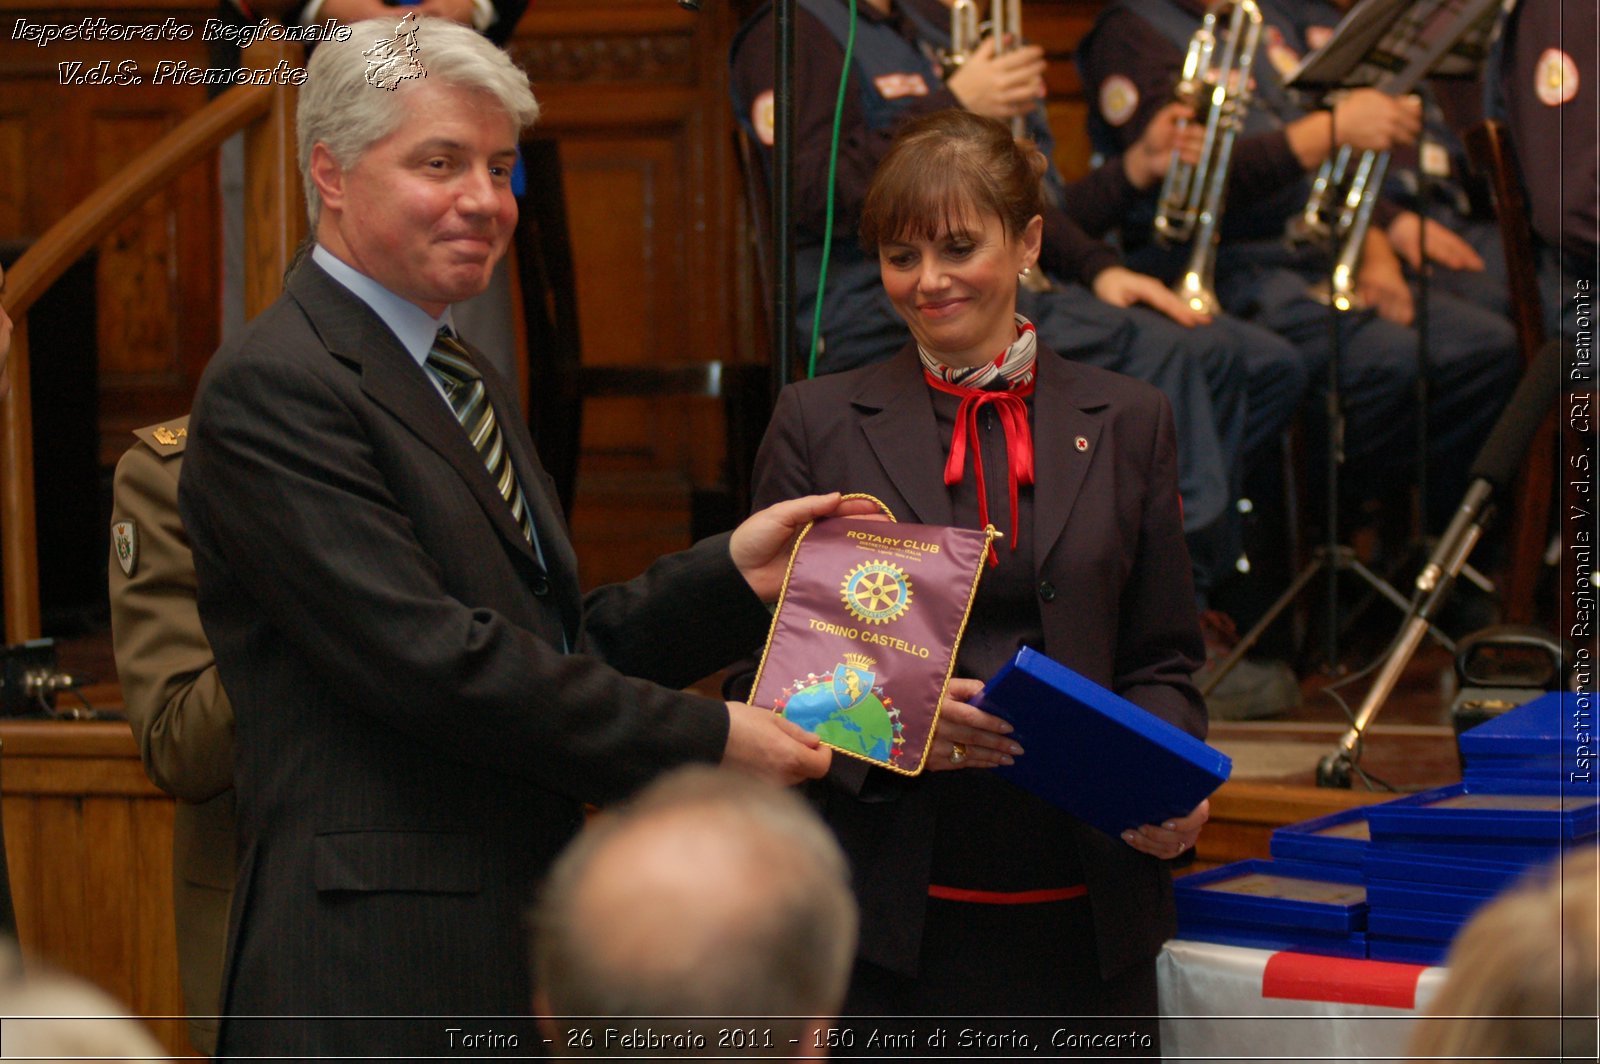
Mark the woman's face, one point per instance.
(958, 291)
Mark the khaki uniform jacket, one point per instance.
(179, 712)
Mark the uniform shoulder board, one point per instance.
(166, 438)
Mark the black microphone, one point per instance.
(1493, 473)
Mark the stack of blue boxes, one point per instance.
(1396, 881)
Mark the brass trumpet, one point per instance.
(1216, 83)
(1348, 222)
(966, 33)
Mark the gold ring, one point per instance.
(958, 753)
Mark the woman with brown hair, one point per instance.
(977, 898)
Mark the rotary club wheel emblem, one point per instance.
(877, 592)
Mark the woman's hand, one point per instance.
(1121, 287)
(967, 737)
(1168, 840)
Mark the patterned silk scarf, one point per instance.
(1002, 384)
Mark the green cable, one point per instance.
(833, 171)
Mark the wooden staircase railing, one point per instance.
(274, 224)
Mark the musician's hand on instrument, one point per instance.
(999, 86)
(1146, 162)
(1381, 283)
(966, 736)
(1121, 287)
(1369, 120)
(1444, 246)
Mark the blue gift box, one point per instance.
(1346, 944)
(1406, 951)
(1547, 738)
(1341, 838)
(1490, 872)
(1282, 895)
(1489, 813)
(1095, 754)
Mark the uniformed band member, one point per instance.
(1233, 387)
(1130, 62)
(1545, 89)
(177, 707)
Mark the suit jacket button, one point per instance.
(541, 586)
(1047, 591)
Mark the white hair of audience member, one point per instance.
(339, 108)
(1524, 973)
(711, 897)
(51, 1015)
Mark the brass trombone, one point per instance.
(1216, 83)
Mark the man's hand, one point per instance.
(760, 546)
(1146, 162)
(1121, 287)
(981, 738)
(999, 86)
(1444, 246)
(1369, 120)
(1170, 839)
(765, 745)
(1381, 283)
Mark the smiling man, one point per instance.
(423, 700)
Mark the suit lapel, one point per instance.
(1066, 435)
(899, 423)
(391, 378)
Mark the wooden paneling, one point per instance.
(158, 274)
(1244, 815)
(89, 844)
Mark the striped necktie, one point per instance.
(451, 366)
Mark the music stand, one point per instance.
(1390, 45)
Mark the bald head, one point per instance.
(713, 895)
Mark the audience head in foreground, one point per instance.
(712, 896)
(1524, 978)
(51, 1015)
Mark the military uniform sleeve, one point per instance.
(175, 702)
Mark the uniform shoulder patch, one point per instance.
(761, 117)
(1555, 77)
(1119, 98)
(166, 439)
(125, 541)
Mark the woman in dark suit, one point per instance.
(976, 897)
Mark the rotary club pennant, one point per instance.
(866, 632)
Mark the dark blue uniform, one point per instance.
(1130, 63)
(1547, 67)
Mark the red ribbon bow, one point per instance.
(1013, 414)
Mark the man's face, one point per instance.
(427, 211)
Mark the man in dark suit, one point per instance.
(422, 698)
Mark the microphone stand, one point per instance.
(1494, 471)
(782, 195)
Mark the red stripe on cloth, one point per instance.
(1305, 977)
(1006, 897)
